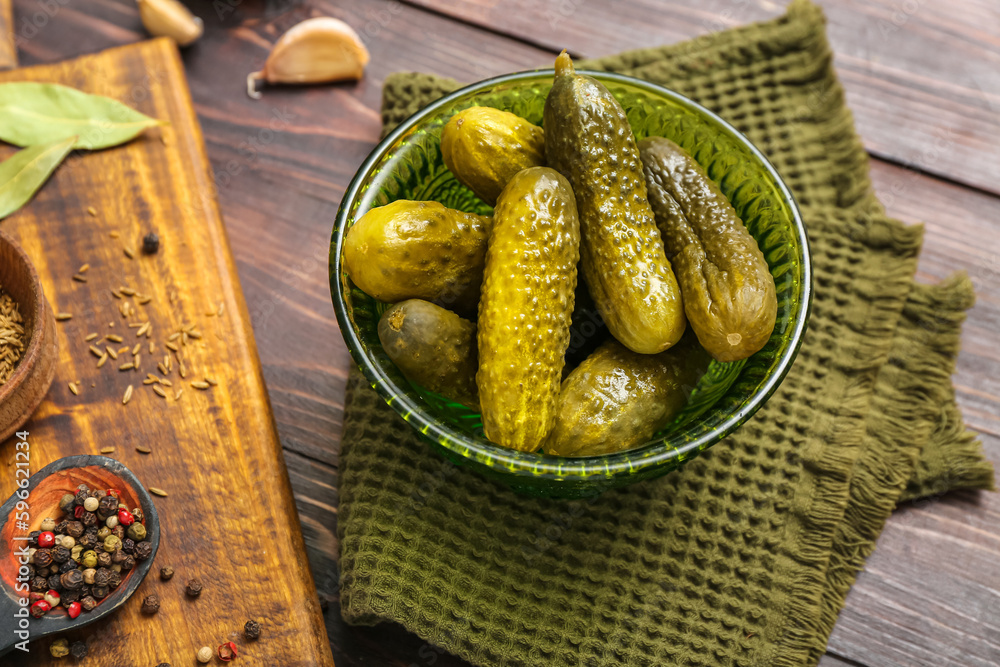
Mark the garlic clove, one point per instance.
(169, 18)
(318, 50)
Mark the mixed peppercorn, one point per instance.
(77, 562)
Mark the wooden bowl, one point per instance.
(31, 380)
(44, 490)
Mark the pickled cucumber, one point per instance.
(418, 250)
(729, 294)
(484, 147)
(433, 347)
(588, 139)
(617, 399)
(526, 305)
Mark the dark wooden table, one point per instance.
(923, 79)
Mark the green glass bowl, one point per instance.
(408, 165)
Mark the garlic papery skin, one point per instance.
(318, 50)
(169, 18)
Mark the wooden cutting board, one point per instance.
(8, 54)
(230, 518)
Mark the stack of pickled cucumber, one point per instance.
(483, 307)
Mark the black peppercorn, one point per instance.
(33, 538)
(43, 558)
(89, 519)
(67, 502)
(31, 572)
(84, 591)
(114, 580)
(128, 563)
(144, 550)
(61, 527)
(39, 584)
(74, 529)
(55, 583)
(71, 580)
(87, 541)
(166, 573)
(68, 566)
(78, 650)
(128, 545)
(194, 588)
(107, 507)
(251, 630)
(118, 531)
(60, 554)
(103, 559)
(151, 604)
(81, 495)
(150, 243)
(69, 596)
(102, 576)
(118, 557)
(138, 514)
(100, 592)
(88, 602)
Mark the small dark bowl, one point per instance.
(25, 389)
(45, 489)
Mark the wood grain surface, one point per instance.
(229, 519)
(281, 166)
(8, 50)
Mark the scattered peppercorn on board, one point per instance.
(8, 54)
(204, 441)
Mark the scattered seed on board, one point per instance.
(113, 234)
(152, 347)
(103, 360)
(127, 366)
(107, 450)
(143, 329)
(163, 369)
(171, 346)
(129, 252)
(73, 388)
(128, 395)
(90, 337)
(200, 385)
(80, 279)
(123, 349)
(135, 350)
(114, 338)
(116, 294)
(96, 351)
(143, 449)
(177, 396)
(144, 299)
(150, 380)
(157, 492)
(222, 308)
(159, 391)
(127, 291)
(92, 211)
(62, 317)
(112, 352)
(174, 336)
(212, 382)
(84, 268)
(165, 382)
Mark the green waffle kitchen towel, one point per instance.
(745, 556)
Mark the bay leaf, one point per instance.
(32, 114)
(27, 170)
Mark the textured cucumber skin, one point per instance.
(589, 140)
(484, 147)
(526, 306)
(418, 250)
(617, 399)
(729, 293)
(433, 347)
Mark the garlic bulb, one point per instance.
(169, 18)
(317, 50)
